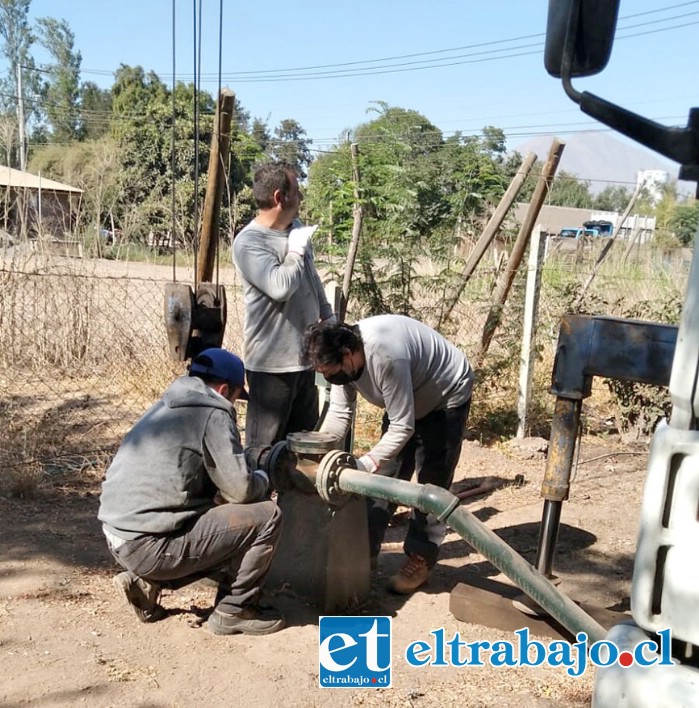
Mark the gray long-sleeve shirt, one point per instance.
(171, 463)
(283, 296)
(410, 370)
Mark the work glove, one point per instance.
(263, 476)
(299, 239)
(366, 463)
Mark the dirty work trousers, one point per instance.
(433, 452)
(279, 404)
(231, 543)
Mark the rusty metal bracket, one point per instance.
(194, 322)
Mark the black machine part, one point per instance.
(579, 38)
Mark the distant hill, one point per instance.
(601, 158)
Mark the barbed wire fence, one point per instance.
(84, 352)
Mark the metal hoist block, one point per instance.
(194, 322)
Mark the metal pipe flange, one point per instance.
(327, 479)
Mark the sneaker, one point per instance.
(411, 576)
(141, 595)
(250, 620)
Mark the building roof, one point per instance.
(17, 179)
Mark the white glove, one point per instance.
(366, 464)
(299, 238)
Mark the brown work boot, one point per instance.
(411, 576)
(250, 620)
(141, 596)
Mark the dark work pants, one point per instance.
(433, 451)
(231, 543)
(279, 404)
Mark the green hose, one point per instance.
(445, 506)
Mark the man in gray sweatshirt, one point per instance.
(424, 384)
(283, 295)
(180, 503)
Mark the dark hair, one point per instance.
(323, 344)
(269, 178)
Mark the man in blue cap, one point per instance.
(159, 509)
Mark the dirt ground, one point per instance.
(66, 640)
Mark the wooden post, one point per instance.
(541, 190)
(358, 215)
(218, 163)
(489, 233)
(531, 310)
(632, 242)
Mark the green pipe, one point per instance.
(445, 506)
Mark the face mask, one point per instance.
(342, 378)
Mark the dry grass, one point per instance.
(83, 350)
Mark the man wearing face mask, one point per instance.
(424, 384)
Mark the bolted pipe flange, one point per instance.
(310, 443)
(328, 475)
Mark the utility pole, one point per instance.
(20, 119)
(218, 174)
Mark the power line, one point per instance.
(362, 68)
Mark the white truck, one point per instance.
(665, 587)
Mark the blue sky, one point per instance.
(463, 64)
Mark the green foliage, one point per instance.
(684, 222)
(614, 197)
(419, 194)
(93, 166)
(95, 111)
(569, 191)
(639, 407)
(289, 144)
(62, 90)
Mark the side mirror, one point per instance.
(580, 33)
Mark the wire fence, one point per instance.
(83, 347)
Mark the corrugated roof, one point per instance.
(10, 177)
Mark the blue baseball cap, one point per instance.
(220, 364)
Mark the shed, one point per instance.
(33, 205)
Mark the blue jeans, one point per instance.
(231, 543)
(433, 451)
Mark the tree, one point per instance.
(95, 111)
(17, 41)
(418, 191)
(614, 197)
(684, 222)
(291, 145)
(260, 134)
(61, 92)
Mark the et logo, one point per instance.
(354, 652)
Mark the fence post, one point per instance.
(531, 311)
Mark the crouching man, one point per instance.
(424, 383)
(159, 509)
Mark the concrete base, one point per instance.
(324, 553)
